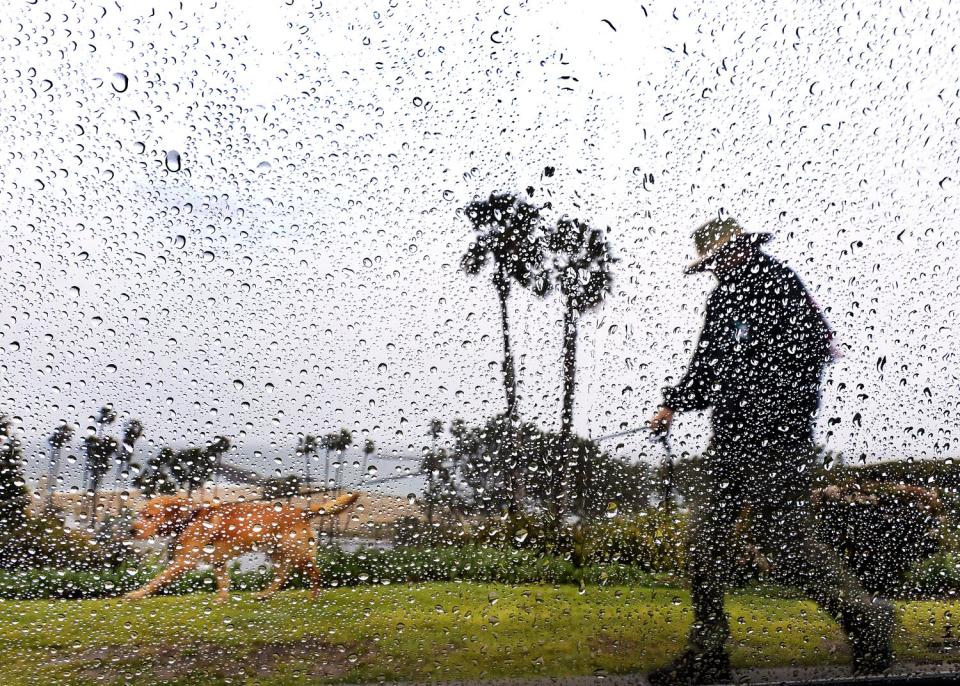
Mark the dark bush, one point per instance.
(881, 530)
(44, 542)
(937, 576)
(410, 531)
(940, 474)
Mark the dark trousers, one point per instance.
(767, 481)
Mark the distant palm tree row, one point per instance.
(101, 452)
(568, 257)
(170, 469)
(336, 441)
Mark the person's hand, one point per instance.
(660, 422)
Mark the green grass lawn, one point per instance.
(423, 631)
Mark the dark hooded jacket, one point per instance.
(760, 355)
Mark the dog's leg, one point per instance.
(310, 567)
(178, 567)
(222, 572)
(280, 573)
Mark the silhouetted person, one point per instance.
(758, 364)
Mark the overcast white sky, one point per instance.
(299, 272)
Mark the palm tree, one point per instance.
(60, 437)
(157, 476)
(212, 458)
(508, 236)
(307, 446)
(99, 452)
(431, 464)
(105, 417)
(581, 258)
(338, 441)
(434, 430)
(341, 441)
(218, 446)
(368, 449)
(132, 433)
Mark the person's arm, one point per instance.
(692, 391)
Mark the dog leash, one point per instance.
(663, 438)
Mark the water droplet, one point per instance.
(119, 81)
(173, 161)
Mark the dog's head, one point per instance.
(164, 515)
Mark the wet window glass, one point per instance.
(409, 341)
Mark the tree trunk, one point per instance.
(509, 374)
(562, 487)
(569, 370)
(116, 488)
(52, 469)
(95, 501)
(510, 391)
(326, 471)
(430, 496)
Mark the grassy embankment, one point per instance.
(443, 630)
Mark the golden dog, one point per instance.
(217, 533)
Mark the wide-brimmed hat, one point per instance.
(717, 234)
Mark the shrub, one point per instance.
(882, 530)
(467, 563)
(412, 531)
(654, 541)
(937, 576)
(43, 542)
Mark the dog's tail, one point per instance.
(337, 506)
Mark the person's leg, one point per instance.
(710, 565)
(710, 560)
(802, 560)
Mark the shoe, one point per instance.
(693, 667)
(871, 638)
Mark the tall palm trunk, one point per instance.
(53, 470)
(326, 470)
(94, 502)
(510, 390)
(125, 462)
(569, 370)
(560, 486)
(116, 488)
(509, 373)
